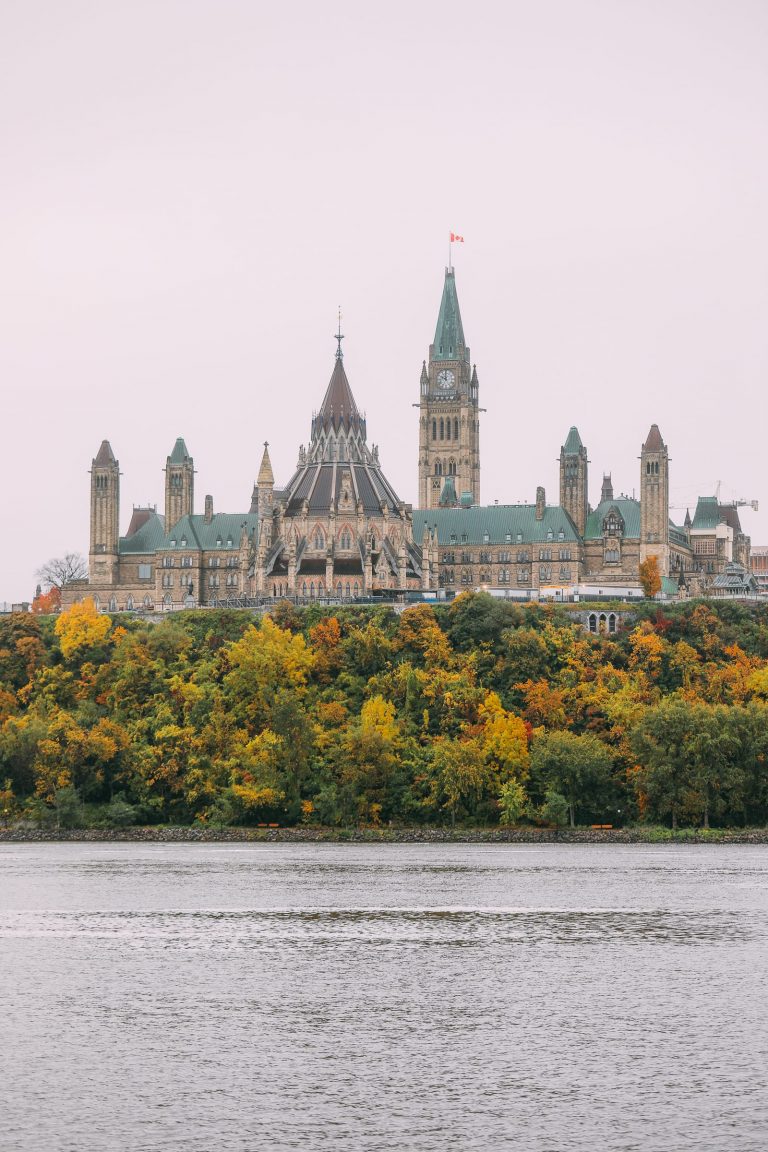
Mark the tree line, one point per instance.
(479, 712)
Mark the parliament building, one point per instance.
(338, 530)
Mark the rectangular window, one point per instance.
(145, 571)
(168, 561)
(523, 575)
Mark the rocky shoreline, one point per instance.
(201, 835)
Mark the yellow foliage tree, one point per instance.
(650, 576)
(81, 627)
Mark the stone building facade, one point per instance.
(337, 528)
(566, 548)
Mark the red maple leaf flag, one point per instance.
(456, 239)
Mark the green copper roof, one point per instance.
(501, 523)
(147, 538)
(573, 444)
(224, 526)
(179, 454)
(449, 334)
(707, 515)
(629, 510)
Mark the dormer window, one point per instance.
(229, 541)
(183, 541)
(549, 534)
(218, 541)
(486, 538)
(561, 535)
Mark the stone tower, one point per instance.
(449, 412)
(654, 500)
(179, 485)
(105, 516)
(574, 492)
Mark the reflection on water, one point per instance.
(383, 997)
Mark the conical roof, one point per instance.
(338, 406)
(449, 333)
(105, 455)
(654, 442)
(266, 477)
(573, 444)
(179, 454)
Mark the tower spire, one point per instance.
(339, 337)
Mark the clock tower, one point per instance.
(449, 413)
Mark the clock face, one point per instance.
(445, 378)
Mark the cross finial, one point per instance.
(339, 337)
(266, 444)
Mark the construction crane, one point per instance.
(753, 504)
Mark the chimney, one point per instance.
(208, 509)
(541, 503)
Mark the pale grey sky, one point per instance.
(190, 188)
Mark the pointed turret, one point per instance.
(449, 333)
(573, 444)
(574, 487)
(179, 485)
(654, 500)
(105, 515)
(687, 521)
(105, 455)
(266, 477)
(654, 442)
(449, 424)
(338, 407)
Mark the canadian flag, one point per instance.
(456, 239)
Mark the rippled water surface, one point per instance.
(431, 997)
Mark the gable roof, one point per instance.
(145, 533)
(628, 509)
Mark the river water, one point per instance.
(357, 998)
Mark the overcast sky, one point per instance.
(190, 188)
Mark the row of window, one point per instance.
(504, 575)
(507, 537)
(444, 428)
(522, 557)
(451, 470)
(343, 591)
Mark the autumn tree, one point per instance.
(650, 576)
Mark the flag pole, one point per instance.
(450, 253)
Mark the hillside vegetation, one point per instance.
(478, 712)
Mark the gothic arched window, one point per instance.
(442, 429)
(438, 467)
(456, 429)
(434, 429)
(448, 429)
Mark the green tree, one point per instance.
(576, 767)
